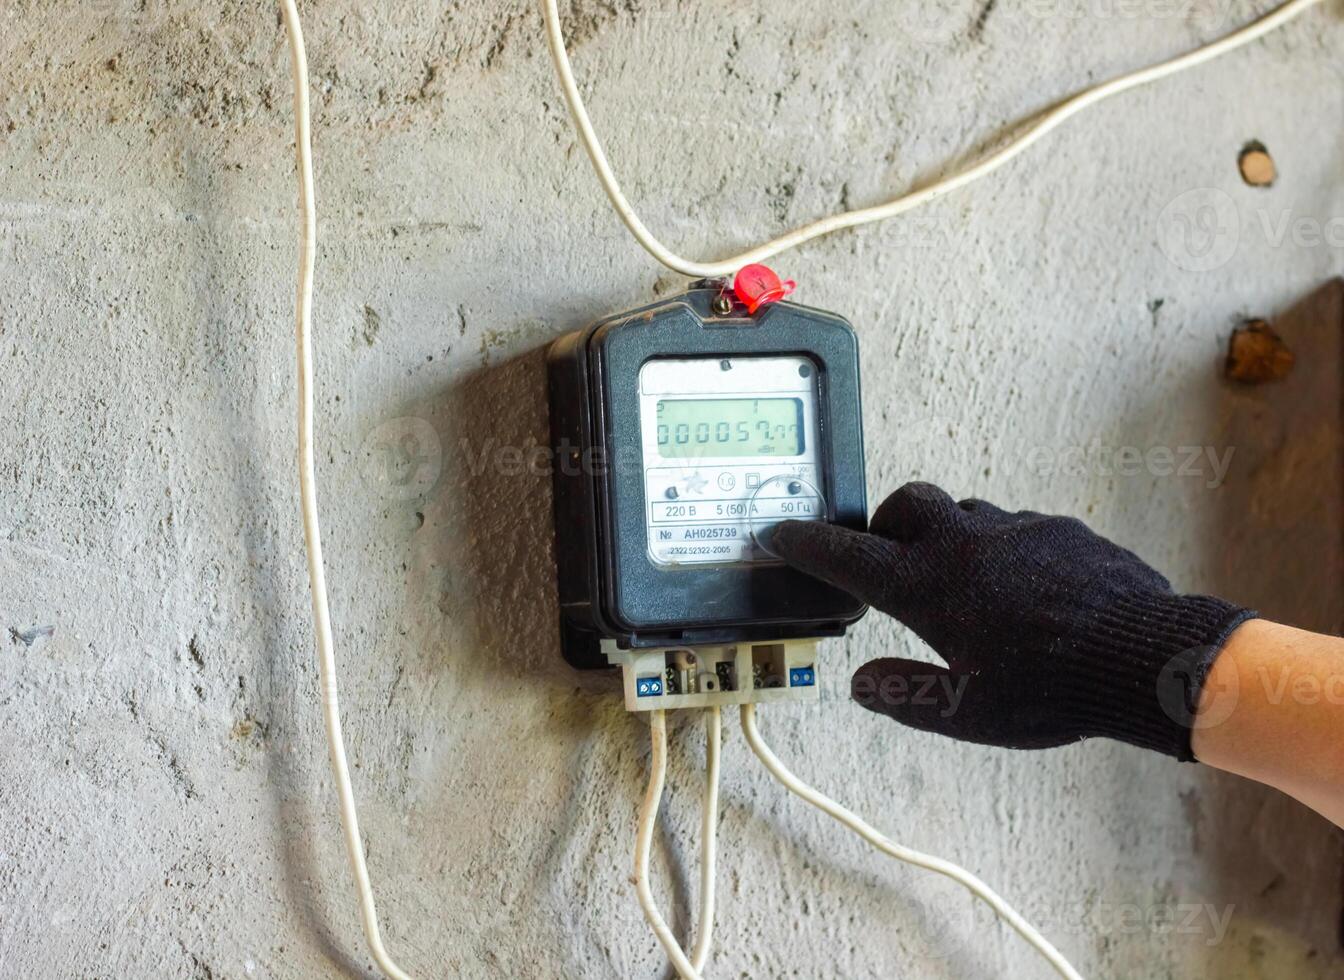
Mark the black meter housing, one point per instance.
(610, 585)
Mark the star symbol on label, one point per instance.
(696, 483)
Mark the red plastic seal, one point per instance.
(757, 285)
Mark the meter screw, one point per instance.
(670, 493)
(722, 305)
(795, 487)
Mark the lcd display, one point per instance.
(693, 428)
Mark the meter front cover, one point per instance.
(790, 369)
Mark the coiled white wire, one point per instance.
(883, 843)
(326, 659)
(1045, 123)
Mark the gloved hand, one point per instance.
(1052, 634)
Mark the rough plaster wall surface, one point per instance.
(166, 807)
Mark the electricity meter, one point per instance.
(683, 432)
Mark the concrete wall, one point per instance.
(166, 807)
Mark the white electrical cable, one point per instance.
(308, 498)
(688, 969)
(709, 831)
(1045, 123)
(855, 823)
(648, 818)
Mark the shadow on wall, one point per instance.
(496, 525)
(466, 469)
(1283, 510)
(497, 591)
(1279, 548)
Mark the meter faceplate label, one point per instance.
(729, 446)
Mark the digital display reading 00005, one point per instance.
(698, 427)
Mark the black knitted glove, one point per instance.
(1052, 633)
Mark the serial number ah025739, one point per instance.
(709, 533)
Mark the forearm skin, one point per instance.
(1272, 710)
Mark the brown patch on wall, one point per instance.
(1257, 166)
(1257, 354)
